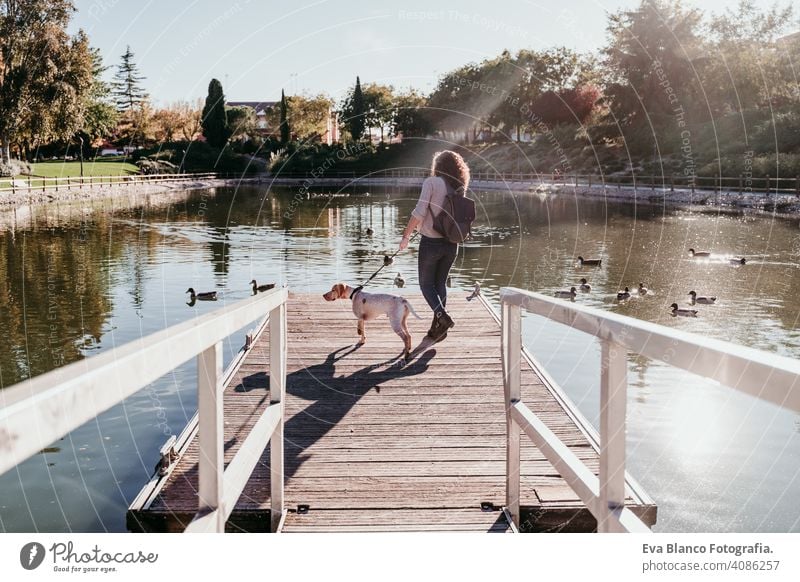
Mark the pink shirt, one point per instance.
(431, 200)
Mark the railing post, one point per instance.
(277, 391)
(211, 454)
(511, 348)
(613, 400)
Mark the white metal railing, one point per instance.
(39, 411)
(767, 376)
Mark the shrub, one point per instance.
(14, 168)
(147, 166)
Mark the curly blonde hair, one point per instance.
(451, 167)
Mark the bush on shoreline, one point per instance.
(198, 156)
(14, 168)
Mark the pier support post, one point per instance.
(613, 401)
(512, 359)
(277, 391)
(211, 454)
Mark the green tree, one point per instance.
(458, 102)
(410, 116)
(127, 85)
(309, 115)
(101, 116)
(744, 69)
(378, 106)
(215, 118)
(285, 130)
(353, 112)
(45, 74)
(657, 42)
(241, 121)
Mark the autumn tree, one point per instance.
(569, 106)
(45, 73)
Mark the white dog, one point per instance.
(371, 305)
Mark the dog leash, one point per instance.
(387, 260)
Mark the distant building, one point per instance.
(262, 108)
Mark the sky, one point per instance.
(257, 47)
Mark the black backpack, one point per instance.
(455, 218)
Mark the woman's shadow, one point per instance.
(332, 396)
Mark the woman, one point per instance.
(449, 171)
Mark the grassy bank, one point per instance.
(101, 167)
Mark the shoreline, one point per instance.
(779, 204)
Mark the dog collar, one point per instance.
(356, 290)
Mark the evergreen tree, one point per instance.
(127, 85)
(359, 112)
(215, 118)
(285, 133)
(353, 111)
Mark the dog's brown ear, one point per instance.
(340, 289)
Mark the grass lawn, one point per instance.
(101, 167)
(114, 167)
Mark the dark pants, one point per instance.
(436, 256)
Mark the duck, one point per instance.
(566, 294)
(643, 290)
(684, 312)
(257, 287)
(740, 261)
(702, 300)
(475, 292)
(399, 281)
(585, 287)
(626, 294)
(370, 232)
(590, 262)
(695, 253)
(206, 296)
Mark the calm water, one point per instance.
(78, 281)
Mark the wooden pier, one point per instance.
(375, 445)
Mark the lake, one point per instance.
(77, 281)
